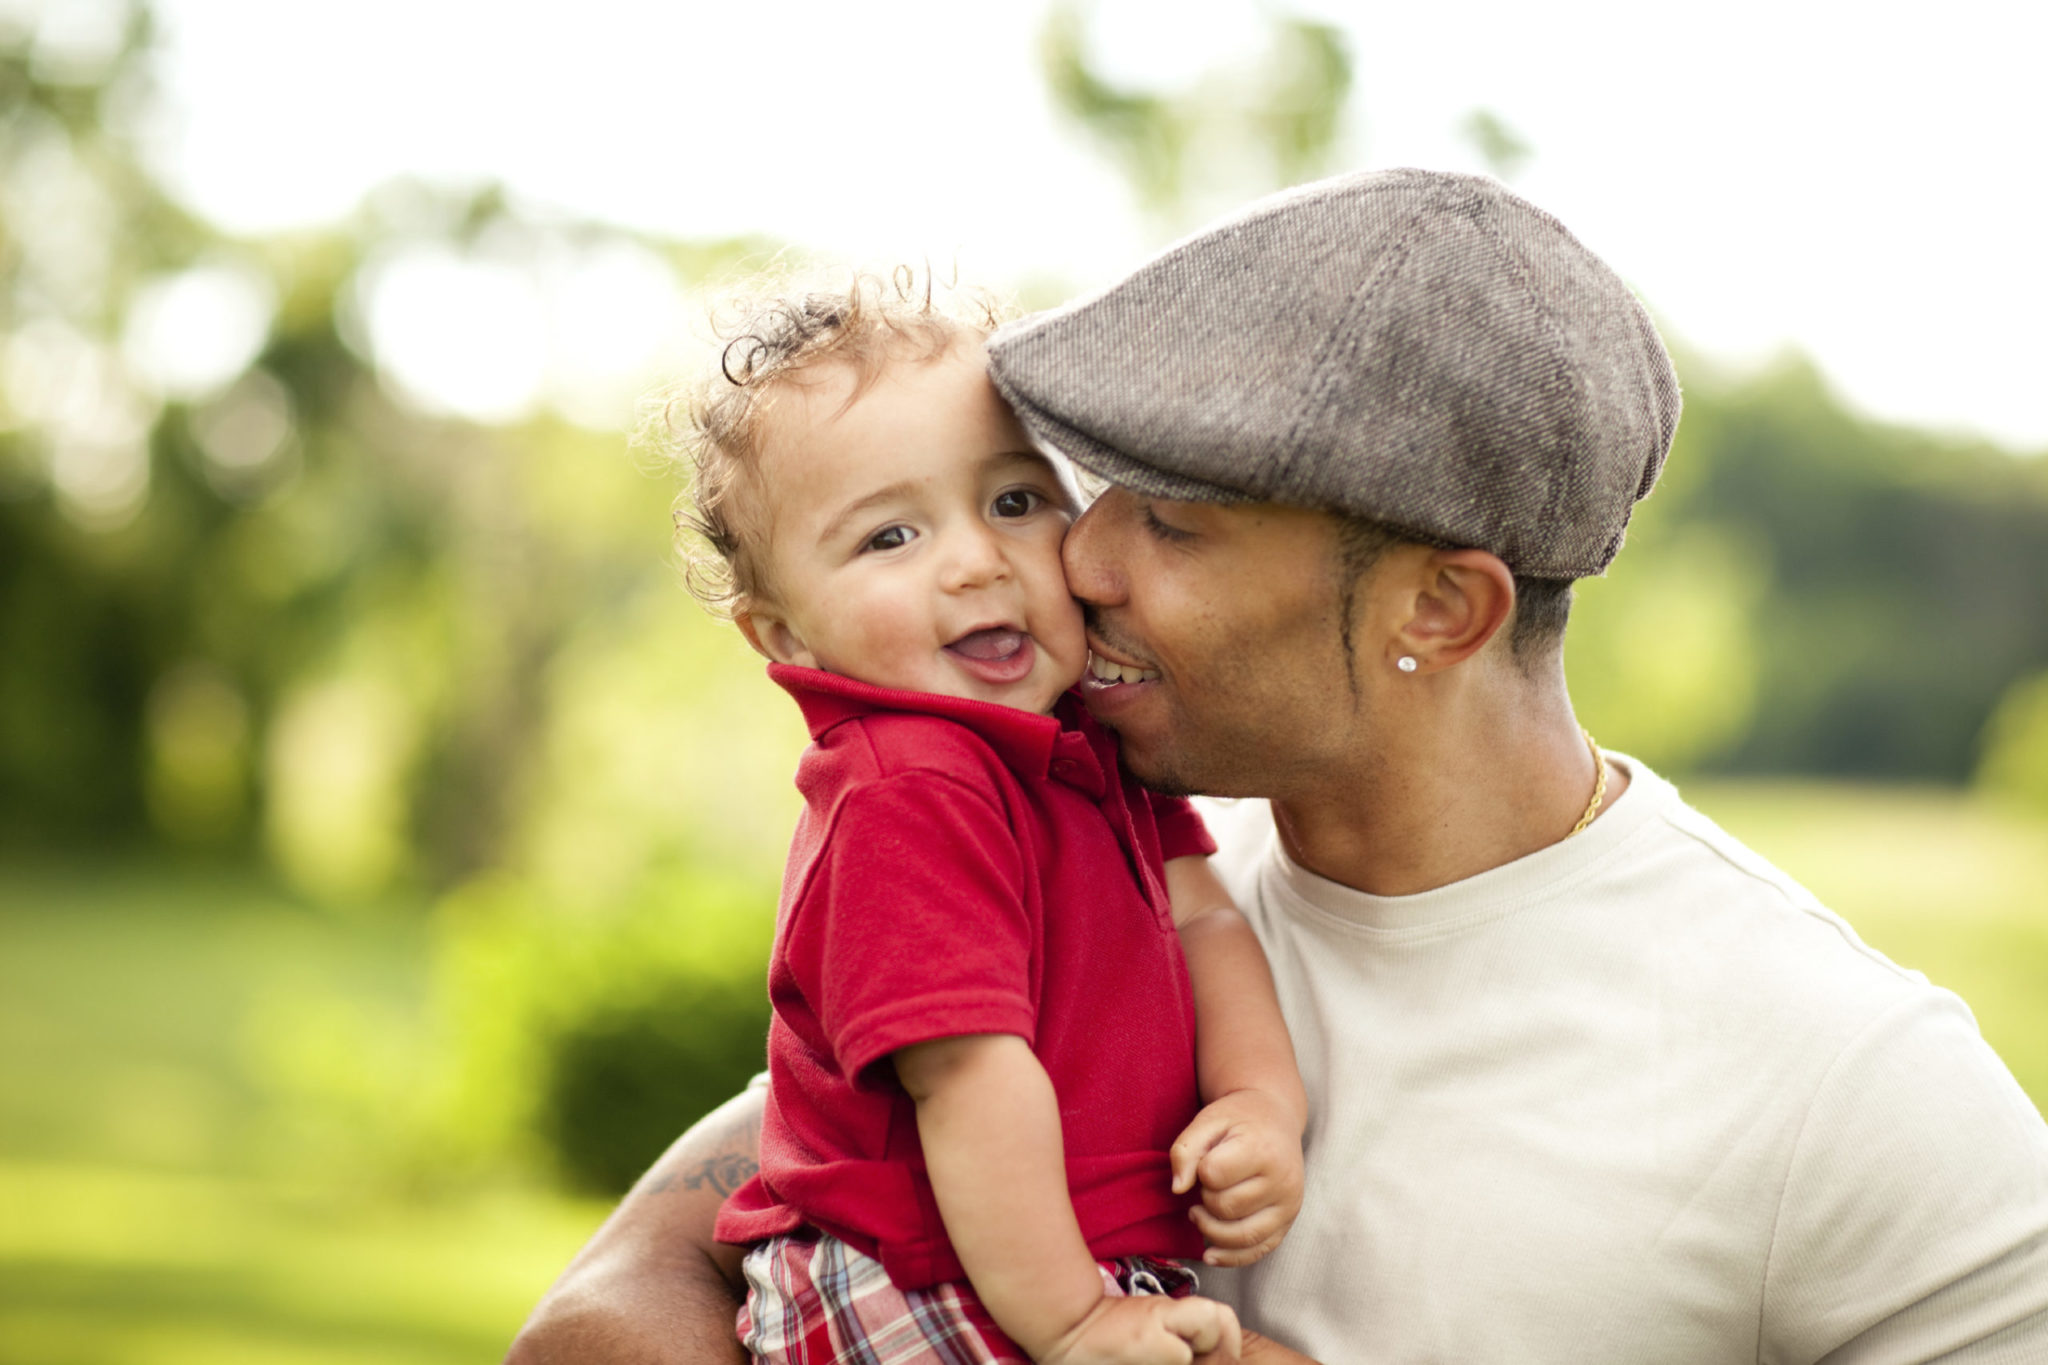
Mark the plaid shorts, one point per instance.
(811, 1299)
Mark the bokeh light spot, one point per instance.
(243, 434)
(456, 335)
(192, 333)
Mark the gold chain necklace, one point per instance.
(1599, 786)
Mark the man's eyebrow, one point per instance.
(887, 493)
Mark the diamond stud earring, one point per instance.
(1406, 663)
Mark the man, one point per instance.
(1587, 1079)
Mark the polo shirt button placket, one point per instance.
(1075, 765)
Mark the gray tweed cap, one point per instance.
(1421, 349)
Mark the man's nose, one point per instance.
(1094, 572)
(974, 558)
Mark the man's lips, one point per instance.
(995, 654)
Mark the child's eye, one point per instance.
(1016, 502)
(888, 538)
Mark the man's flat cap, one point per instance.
(1423, 350)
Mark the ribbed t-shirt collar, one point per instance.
(1498, 891)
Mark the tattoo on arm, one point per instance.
(724, 1173)
(734, 1138)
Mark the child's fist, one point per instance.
(1151, 1329)
(1245, 1149)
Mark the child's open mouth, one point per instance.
(998, 654)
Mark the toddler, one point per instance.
(1004, 979)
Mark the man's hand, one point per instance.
(653, 1287)
(1151, 1329)
(1245, 1149)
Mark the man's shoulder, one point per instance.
(1763, 936)
(1664, 888)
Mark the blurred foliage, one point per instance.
(1808, 591)
(1904, 575)
(1505, 152)
(601, 1036)
(281, 607)
(2015, 762)
(169, 1194)
(1272, 121)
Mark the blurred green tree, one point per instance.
(1505, 152)
(2015, 762)
(1274, 120)
(278, 605)
(1905, 581)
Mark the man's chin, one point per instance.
(1155, 772)
(1146, 754)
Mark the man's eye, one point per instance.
(888, 538)
(1161, 529)
(1016, 502)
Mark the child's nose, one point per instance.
(976, 559)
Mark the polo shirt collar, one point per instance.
(1026, 741)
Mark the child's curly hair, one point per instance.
(772, 331)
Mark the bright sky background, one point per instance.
(1865, 181)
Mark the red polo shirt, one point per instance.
(963, 867)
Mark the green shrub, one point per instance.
(586, 1040)
(2015, 751)
(623, 1080)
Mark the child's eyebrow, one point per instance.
(887, 493)
(1026, 455)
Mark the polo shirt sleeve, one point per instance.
(914, 924)
(1181, 831)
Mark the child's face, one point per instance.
(913, 538)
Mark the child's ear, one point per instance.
(771, 636)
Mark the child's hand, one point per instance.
(1246, 1150)
(1150, 1329)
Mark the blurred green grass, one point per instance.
(104, 1264)
(151, 1214)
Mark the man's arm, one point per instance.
(652, 1287)
(1913, 1218)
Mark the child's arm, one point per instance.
(1245, 1145)
(990, 1126)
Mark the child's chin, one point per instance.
(1030, 695)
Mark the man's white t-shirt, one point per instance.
(1636, 1097)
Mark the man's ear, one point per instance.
(771, 636)
(1462, 600)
